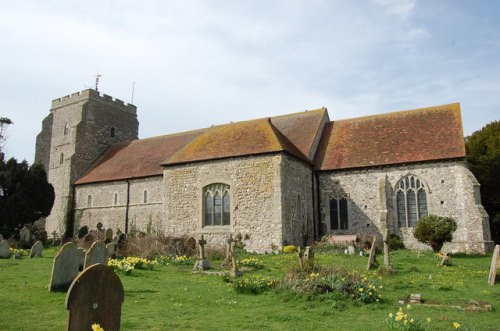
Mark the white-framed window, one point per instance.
(89, 200)
(411, 201)
(145, 196)
(216, 205)
(339, 217)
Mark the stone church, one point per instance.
(280, 180)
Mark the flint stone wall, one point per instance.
(452, 191)
(256, 200)
(142, 216)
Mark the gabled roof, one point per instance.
(137, 158)
(425, 134)
(233, 140)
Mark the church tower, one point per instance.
(78, 129)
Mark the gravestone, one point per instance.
(95, 297)
(351, 250)
(25, 237)
(300, 255)
(495, 265)
(54, 238)
(371, 259)
(444, 260)
(309, 254)
(64, 268)
(202, 263)
(36, 250)
(109, 233)
(96, 254)
(4, 249)
(229, 248)
(111, 250)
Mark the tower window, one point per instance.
(112, 132)
(89, 200)
(61, 158)
(66, 129)
(115, 199)
(145, 196)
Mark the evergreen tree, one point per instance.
(483, 157)
(25, 194)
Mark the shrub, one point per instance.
(395, 242)
(290, 249)
(435, 231)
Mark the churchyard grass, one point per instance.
(171, 297)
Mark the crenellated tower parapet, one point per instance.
(90, 94)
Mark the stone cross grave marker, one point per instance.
(36, 250)
(65, 267)
(95, 297)
(371, 258)
(229, 248)
(96, 254)
(235, 272)
(444, 260)
(495, 265)
(300, 255)
(4, 249)
(202, 263)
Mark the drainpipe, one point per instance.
(317, 223)
(127, 206)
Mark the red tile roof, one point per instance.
(403, 137)
(235, 139)
(138, 158)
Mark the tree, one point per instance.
(4, 122)
(25, 194)
(483, 158)
(435, 231)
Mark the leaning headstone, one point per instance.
(202, 263)
(4, 249)
(109, 233)
(64, 268)
(25, 236)
(495, 265)
(371, 259)
(96, 254)
(36, 250)
(95, 297)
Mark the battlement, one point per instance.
(90, 94)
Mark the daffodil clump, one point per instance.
(182, 260)
(253, 285)
(402, 321)
(14, 251)
(96, 327)
(251, 263)
(290, 249)
(126, 265)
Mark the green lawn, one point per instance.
(172, 298)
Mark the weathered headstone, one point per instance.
(4, 249)
(351, 250)
(309, 254)
(495, 265)
(415, 298)
(36, 250)
(202, 263)
(95, 297)
(371, 259)
(54, 238)
(109, 233)
(96, 254)
(111, 249)
(25, 237)
(65, 267)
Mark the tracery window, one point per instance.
(338, 214)
(216, 205)
(411, 201)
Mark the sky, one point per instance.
(191, 64)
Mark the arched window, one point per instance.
(61, 158)
(145, 196)
(216, 205)
(66, 129)
(89, 200)
(411, 201)
(112, 132)
(115, 199)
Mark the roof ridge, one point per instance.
(455, 105)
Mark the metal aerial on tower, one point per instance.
(97, 81)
